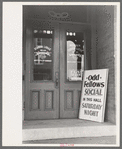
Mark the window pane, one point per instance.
(75, 56)
(43, 55)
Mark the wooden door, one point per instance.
(42, 70)
(74, 56)
(52, 92)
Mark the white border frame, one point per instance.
(12, 70)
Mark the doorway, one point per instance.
(56, 56)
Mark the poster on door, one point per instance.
(93, 96)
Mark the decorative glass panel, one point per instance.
(69, 100)
(35, 100)
(49, 100)
(43, 55)
(75, 56)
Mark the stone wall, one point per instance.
(105, 54)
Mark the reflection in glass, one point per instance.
(43, 55)
(75, 56)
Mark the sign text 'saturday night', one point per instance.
(93, 95)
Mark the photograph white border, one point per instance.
(12, 70)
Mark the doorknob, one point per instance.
(56, 80)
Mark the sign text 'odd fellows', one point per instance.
(93, 97)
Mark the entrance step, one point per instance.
(65, 128)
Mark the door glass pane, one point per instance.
(43, 55)
(75, 56)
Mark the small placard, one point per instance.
(93, 96)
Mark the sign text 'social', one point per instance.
(94, 95)
(91, 83)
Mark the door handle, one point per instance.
(56, 80)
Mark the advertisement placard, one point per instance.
(93, 96)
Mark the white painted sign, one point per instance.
(93, 96)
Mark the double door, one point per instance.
(56, 56)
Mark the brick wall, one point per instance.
(105, 54)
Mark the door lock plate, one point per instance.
(56, 80)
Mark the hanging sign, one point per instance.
(93, 96)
